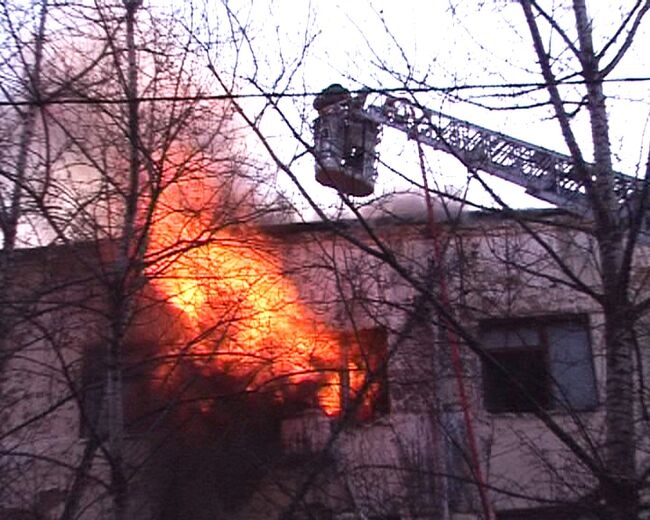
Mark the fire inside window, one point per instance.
(152, 399)
(538, 362)
(363, 374)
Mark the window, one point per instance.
(363, 354)
(161, 392)
(545, 361)
(92, 388)
(142, 406)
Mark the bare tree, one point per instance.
(174, 298)
(610, 473)
(125, 142)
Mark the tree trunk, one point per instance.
(619, 484)
(124, 274)
(619, 481)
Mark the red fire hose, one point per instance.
(452, 338)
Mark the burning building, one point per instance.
(294, 371)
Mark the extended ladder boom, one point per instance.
(346, 134)
(545, 174)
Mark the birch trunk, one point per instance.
(125, 274)
(618, 482)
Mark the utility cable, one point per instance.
(43, 101)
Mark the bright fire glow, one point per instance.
(243, 316)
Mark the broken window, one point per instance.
(363, 358)
(160, 392)
(544, 361)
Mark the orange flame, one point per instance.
(242, 315)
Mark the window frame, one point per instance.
(371, 344)
(543, 326)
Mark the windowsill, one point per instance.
(552, 412)
(352, 423)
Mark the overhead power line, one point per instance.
(303, 94)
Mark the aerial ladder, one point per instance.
(346, 135)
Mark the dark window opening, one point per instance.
(363, 358)
(148, 398)
(144, 400)
(530, 372)
(91, 392)
(539, 362)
